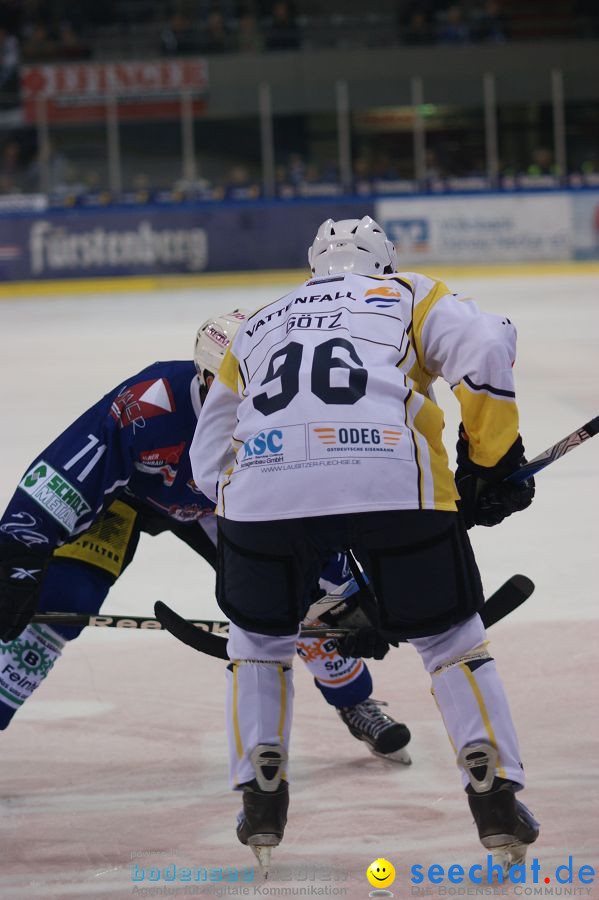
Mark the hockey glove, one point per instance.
(361, 615)
(21, 576)
(366, 643)
(485, 498)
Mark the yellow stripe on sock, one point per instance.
(236, 729)
(283, 704)
(485, 715)
(281, 732)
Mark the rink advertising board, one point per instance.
(237, 236)
(78, 92)
(153, 240)
(488, 228)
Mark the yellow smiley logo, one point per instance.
(380, 873)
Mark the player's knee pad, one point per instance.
(462, 643)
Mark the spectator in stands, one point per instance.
(415, 24)
(215, 38)
(176, 37)
(282, 32)
(249, 38)
(38, 45)
(542, 162)
(240, 185)
(11, 169)
(362, 175)
(452, 27)
(489, 22)
(9, 69)
(296, 169)
(433, 170)
(49, 170)
(71, 45)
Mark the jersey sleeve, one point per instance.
(77, 476)
(474, 352)
(212, 448)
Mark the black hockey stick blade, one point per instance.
(184, 631)
(506, 599)
(213, 644)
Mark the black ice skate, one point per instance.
(505, 826)
(265, 802)
(385, 737)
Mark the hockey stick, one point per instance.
(505, 600)
(145, 623)
(559, 449)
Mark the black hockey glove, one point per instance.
(360, 614)
(366, 643)
(485, 498)
(21, 576)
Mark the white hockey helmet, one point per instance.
(212, 340)
(351, 245)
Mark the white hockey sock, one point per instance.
(25, 662)
(470, 695)
(259, 696)
(326, 664)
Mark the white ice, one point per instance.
(122, 750)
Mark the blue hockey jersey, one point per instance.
(133, 443)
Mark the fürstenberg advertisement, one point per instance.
(43, 244)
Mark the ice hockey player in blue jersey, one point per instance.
(75, 519)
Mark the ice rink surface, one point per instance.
(120, 758)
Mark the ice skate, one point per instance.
(385, 737)
(263, 820)
(505, 826)
(265, 801)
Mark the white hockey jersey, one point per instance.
(323, 403)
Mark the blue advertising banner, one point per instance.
(43, 244)
(152, 240)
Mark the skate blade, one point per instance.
(506, 855)
(397, 756)
(262, 845)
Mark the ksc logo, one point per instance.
(264, 443)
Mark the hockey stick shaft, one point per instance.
(559, 449)
(506, 599)
(145, 623)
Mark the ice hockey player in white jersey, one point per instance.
(321, 433)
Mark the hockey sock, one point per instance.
(24, 663)
(259, 697)
(343, 681)
(470, 695)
